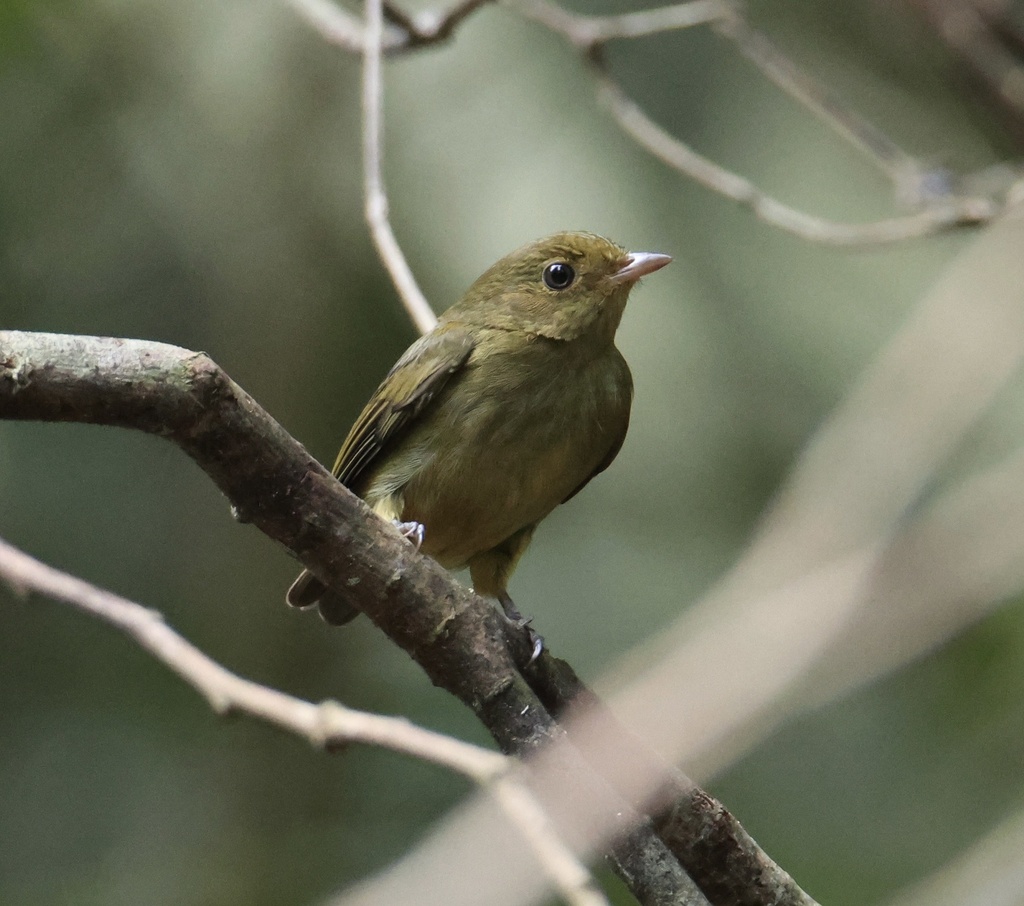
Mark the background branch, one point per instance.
(942, 206)
(590, 36)
(415, 302)
(328, 725)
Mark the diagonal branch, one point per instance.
(939, 217)
(459, 639)
(589, 35)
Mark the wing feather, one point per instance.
(408, 389)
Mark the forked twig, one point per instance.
(328, 725)
(941, 208)
(590, 34)
(430, 26)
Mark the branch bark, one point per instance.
(460, 640)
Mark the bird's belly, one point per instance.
(491, 471)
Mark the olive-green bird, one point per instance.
(507, 408)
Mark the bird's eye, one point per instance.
(558, 275)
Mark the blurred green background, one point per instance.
(190, 172)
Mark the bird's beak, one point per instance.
(637, 265)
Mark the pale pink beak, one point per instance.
(639, 264)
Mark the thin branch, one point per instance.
(589, 35)
(588, 32)
(430, 26)
(376, 199)
(942, 209)
(902, 168)
(335, 25)
(939, 217)
(328, 725)
(402, 32)
(571, 877)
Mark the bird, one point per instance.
(507, 408)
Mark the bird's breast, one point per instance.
(510, 439)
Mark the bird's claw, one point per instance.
(537, 644)
(522, 623)
(413, 532)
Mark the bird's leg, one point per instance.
(412, 532)
(520, 622)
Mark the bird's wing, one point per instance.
(613, 451)
(408, 389)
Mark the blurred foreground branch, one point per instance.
(462, 642)
(328, 725)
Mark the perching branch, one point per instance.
(460, 640)
(328, 725)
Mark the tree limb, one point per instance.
(460, 640)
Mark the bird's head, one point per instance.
(560, 287)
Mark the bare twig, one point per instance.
(941, 208)
(943, 215)
(571, 877)
(402, 32)
(327, 725)
(588, 32)
(430, 26)
(376, 199)
(904, 171)
(335, 25)
(589, 35)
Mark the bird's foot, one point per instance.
(522, 623)
(413, 532)
(536, 644)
